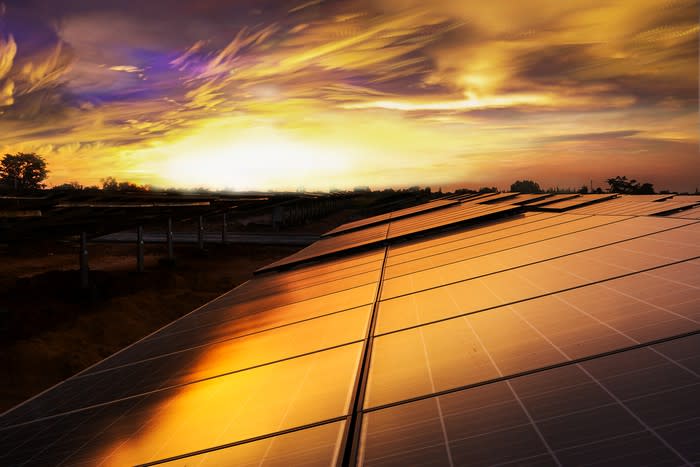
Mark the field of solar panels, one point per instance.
(494, 329)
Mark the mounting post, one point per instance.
(200, 232)
(84, 270)
(223, 229)
(139, 248)
(169, 239)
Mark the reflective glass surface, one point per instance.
(459, 265)
(637, 407)
(312, 447)
(192, 417)
(535, 333)
(197, 364)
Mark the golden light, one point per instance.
(247, 159)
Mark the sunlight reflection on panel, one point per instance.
(236, 407)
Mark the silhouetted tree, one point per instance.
(464, 191)
(109, 184)
(583, 190)
(629, 186)
(69, 186)
(23, 171)
(485, 189)
(526, 186)
(645, 189)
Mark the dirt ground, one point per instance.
(51, 329)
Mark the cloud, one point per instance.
(605, 135)
(493, 81)
(126, 68)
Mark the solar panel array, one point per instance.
(528, 338)
(383, 218)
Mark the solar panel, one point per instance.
(635, 407)
(511, 339)
(236, 407)
(693, 213)
(572, 203)
(554, 199)
(454, 268)
(569, 338)
(378, 234)
(500, 197)
(530, 198)
(637, 205)
(381, 219)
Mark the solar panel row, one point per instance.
(568, 338)
(407, 212)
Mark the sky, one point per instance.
(316, 94)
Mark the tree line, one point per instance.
(619, 184)
(27, 171)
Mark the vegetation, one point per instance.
(631, 187)
(23, 171)
(111, 184)
(486, 189)
(27, 171)
(526, 186)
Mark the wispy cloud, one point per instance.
(492, 85)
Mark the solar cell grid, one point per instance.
(330, 245)
(553, 199)
(437, 204)
(377, 234)
(511, 339)
(693, 213)
(464, 296)
(475, 197)
(477, 246)
(323, 304)
(313, 447)
(225, 323)
(634, 208)
(444, 240)
(530, 198)
(497, 198)
(553, 416)
(455, 270)
(399, 228)
(572, 203)
(198, 363)
(198, 416)
(524, 331)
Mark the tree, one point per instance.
(110, 184)
(645, 189)
(23, 171)
(526, 186)
(486, 189)
(69, 186)
(583, 190)
(629, 186)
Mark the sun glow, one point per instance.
(249, 159)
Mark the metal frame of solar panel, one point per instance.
(568, 338)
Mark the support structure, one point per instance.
(200, 233)
(84, 270)
(169, 239)
(224, 229)
(139, 248)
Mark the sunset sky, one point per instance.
(283, 94)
